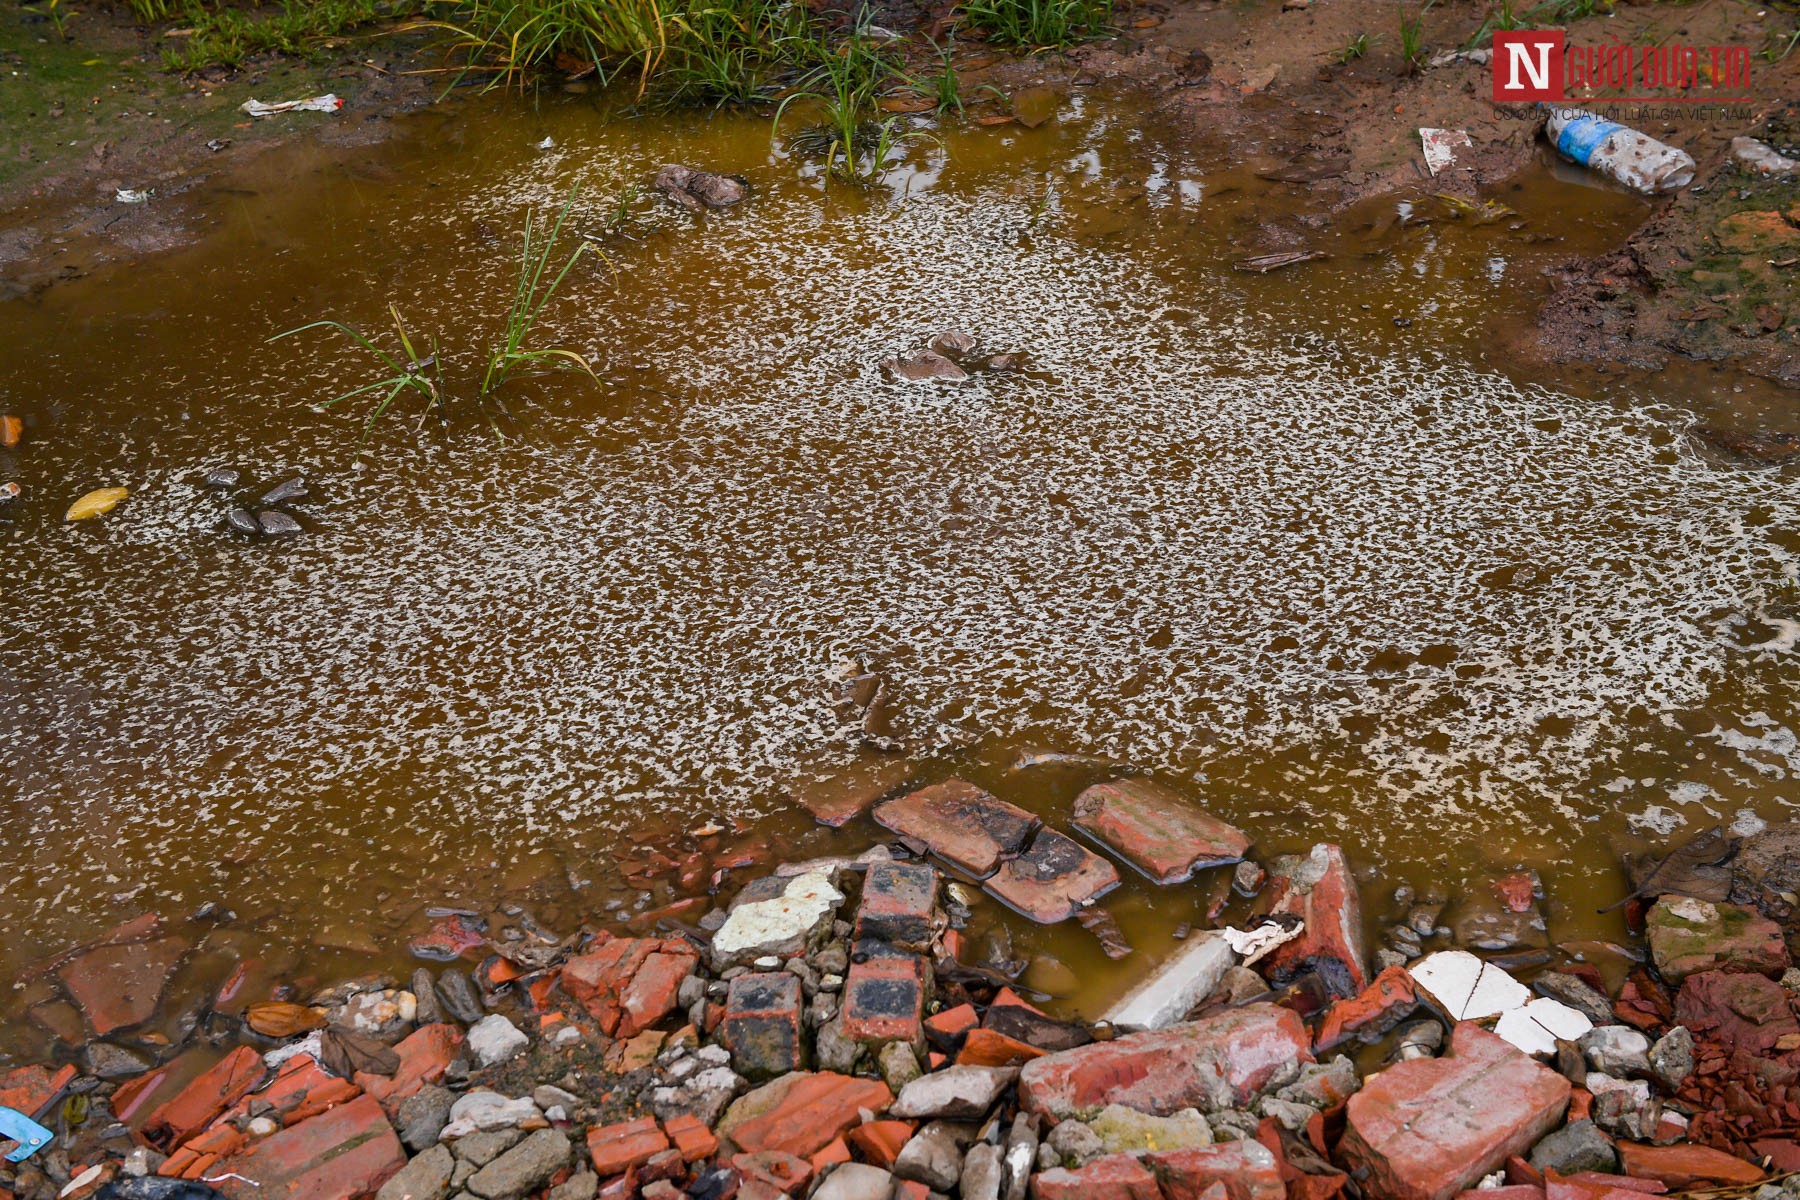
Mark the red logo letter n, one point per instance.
(1528, 65)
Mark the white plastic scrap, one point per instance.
(1758, 157)
(131, 195)
(1252, 944)
(1467, 988)
(1441, 146)
(1538, 1026)
(280, 1054)
(548, 143)
(328, 103)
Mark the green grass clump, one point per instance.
(1412, 38)
(226, 36)
(1039, 24)
(407, 371)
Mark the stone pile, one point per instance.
(819, 1036)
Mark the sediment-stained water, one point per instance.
(1333, 567)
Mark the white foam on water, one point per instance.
(1167, 541)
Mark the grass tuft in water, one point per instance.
(408, 373)
(530, 294)
(423, 376)
(1039, 24)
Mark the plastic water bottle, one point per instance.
(1638, 161)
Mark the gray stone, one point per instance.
(243, 520)
(427, 1011)
(934, 1156)
(584, 1186)
(982, 1173)
(956, 1093)
(523, 1169)
(1577, 994)
(1672, 1058)
(1021, 1154)
(855, 1181)
(927, 365)
(1292, 1116)
(483, 1110)
(1577, 1146)
(1124, 1130)
(1617, 1050)
(548, 1095)
(1047, 1158)
(494, 1040)
(899, 1065)
(426, 1177)
(112, 1062)
(274, 523)
(423, 1115)
(1233, 1125)
(1323, 1085)
(484, 1147)
(834, 1049)
(1075, 1144)
(460, 998)
(1175, 987)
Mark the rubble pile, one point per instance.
(820, 1035)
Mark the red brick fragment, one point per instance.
(880, 1142)
(960, 823)
(194, 1107)
(349, 1151)
(628, 1144)
(1161, 833)
(1381, 1006)
(884, 1000)
(1114, 1177)
(813, 1110)
(691, 1137)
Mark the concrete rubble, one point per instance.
(836, 1036)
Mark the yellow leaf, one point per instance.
(276, 1019)
(96, 503)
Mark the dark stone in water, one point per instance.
(223, 478)
(243, 520)
(429, 1012)
(277, 524)
(460, 999)
(290, 489)
(699, 190)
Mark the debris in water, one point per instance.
(1758, 157)
(12, 431)
(96, 503)
(1441, 146)
(697, 190)
(1262, 264)
(328, 103)
(131, 195)
(548, 143)
(929, 365)
(1253, 944)
(1621, 153)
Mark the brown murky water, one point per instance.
(1303, 543)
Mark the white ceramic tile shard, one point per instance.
(1466, 988)
(1538, 1025)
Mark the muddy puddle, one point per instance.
(1310, 544)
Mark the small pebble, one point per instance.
(277, 524)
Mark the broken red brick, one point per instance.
(898, 900)
(990, 1048)
(196, 1105)
(1318, 888)
(960, 823)
(425, 1054)
(812, 1111)
(1163, 1071)
(1114, 1177)
(784, 1171)
(884, 1000)
(119, 985)
(844, 797)
(691, 1137)
(1432, 1127)
(945, 1030)
(880, 1142)
(27, 1089)
(1685, 1166)
(1247, 1169)
(762, 1024)
(629, 984)
(349, 1151)
(1156, 830)
(1383, 1005)
(1053, 878)
(838, 1151)
(628, 1144)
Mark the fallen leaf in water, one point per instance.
(278, 1019)
(995, 119)
(11, 430)
(1146, 22)
(96, 503)
(906, 104)
(1100, 923)
(1699, 867)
